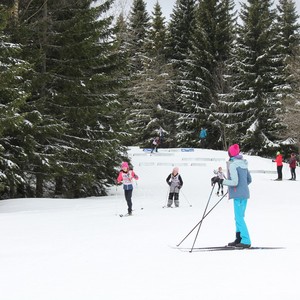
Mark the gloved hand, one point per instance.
(169, 183)
(179, 186)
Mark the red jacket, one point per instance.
(293, 162)
(278, 160)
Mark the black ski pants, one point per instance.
(220, 185)
(279, 172)
(293, 173)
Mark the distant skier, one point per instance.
(175, 182)
(155, 144)
(126, 176)
(292, 164)
(219, 178)
(238, 180)
(161, 136)
(203, 136)
(279, 165)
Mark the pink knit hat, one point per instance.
(124, 165)
(176, 170)
(234, 150)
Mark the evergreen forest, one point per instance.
(79, 84)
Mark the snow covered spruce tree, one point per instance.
(254, 102)
(29, 27)
(180, 31)
(76, 83)
(14, 90)
(151, 84)
(139, 108)
(289, 42)
(201, 75)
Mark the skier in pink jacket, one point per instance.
(126, 176)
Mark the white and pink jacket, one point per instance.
(126, 178)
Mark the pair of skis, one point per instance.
(128, 215)
(225, 248)
(125, 215)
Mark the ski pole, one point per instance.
(141, 201)
(167, 199)
(116, 201)
(186, 199)
(202, 216)
(202, 219)
(200, 222)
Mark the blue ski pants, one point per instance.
(239, 215)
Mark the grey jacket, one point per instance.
(175, 183)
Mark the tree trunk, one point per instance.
(58, 185)
(39, 185)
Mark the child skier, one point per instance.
(219, 178)
(175, 182)
(126, 176)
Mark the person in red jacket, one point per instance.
(292, 163)
(279, 165)
(126, 176)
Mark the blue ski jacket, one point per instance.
(238, 178)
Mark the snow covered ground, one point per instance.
(62, 249)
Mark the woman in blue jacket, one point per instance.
(238, 180)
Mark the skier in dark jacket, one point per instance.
(292, 164)
(175, 182)
(155, 144)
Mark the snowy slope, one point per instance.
(82, 250)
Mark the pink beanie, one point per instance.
(234, 150)
(124, 165)
(176, 170)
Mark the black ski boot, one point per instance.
(237, 240)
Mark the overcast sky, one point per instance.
(167, 5)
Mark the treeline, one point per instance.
(77, 86)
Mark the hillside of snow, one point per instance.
(80, 249)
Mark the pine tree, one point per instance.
(76, 89)
(253, 103)
(289, 42)
(153, 81)
(157, 34)
(13, 123)
(158, 77)
(226, 33)
(138, 29)
(139, 104)
(202, 74)
(180, 31)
